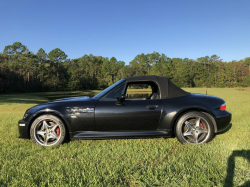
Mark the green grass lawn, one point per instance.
(125, 162)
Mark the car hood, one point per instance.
(69, 99)
(63, 103)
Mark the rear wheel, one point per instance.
(47, 130)
(194, 128)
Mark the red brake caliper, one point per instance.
(201, 125)
(58, 131)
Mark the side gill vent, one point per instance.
(78, 110)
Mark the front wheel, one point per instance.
(194, 128)
(47, 130)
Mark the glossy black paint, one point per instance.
(133, 118)
(132, 115)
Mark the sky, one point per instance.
(124, 29)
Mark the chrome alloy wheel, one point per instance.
(195, 130)
(47, 132)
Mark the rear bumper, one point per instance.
(223, 119)
(23, 129)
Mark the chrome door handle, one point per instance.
(152, 106)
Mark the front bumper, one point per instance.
(223, 119)
(23, 129)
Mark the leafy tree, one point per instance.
(16, 48)
(57, 56)
(22, 71)
(41, 55)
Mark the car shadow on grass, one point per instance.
(231, 167)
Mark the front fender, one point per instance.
(52, 112)
(24, 129)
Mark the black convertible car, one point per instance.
(168, 111)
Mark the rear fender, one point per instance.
(170, 119)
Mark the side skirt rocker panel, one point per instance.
(119, 134)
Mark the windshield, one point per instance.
(99, 95)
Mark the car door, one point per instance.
(132, 115)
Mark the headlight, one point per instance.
(25, 116)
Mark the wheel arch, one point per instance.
(54, 113)
(182, 112)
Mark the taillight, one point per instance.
(223, 107)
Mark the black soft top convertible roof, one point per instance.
(167, 89)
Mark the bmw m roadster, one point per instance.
(168, 111)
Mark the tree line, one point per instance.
(24, 71)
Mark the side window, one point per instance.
(142, 91)
(117, 92)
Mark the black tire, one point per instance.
(194, 128)
(47, 130)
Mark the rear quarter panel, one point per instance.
(174, 107)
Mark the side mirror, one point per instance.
(121, 99)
